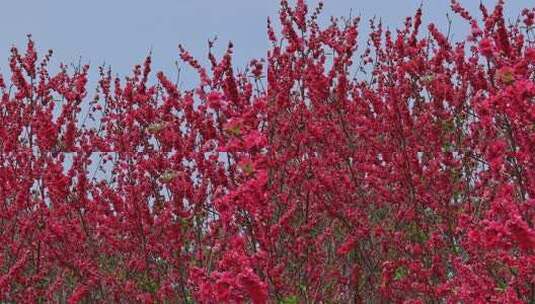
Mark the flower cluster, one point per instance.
(402, 171)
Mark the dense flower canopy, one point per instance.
(399, 171)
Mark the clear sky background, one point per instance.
(121, 32)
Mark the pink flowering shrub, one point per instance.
(400, 172)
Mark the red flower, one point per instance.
(486, 47)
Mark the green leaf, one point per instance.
(289, 300)
(400, 273)
(156, 127)
(428, 78)
(168, 176)
(416, 234)
(234, 130)
(502, 286)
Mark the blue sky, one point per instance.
(121, 32)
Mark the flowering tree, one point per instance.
(404, 173)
